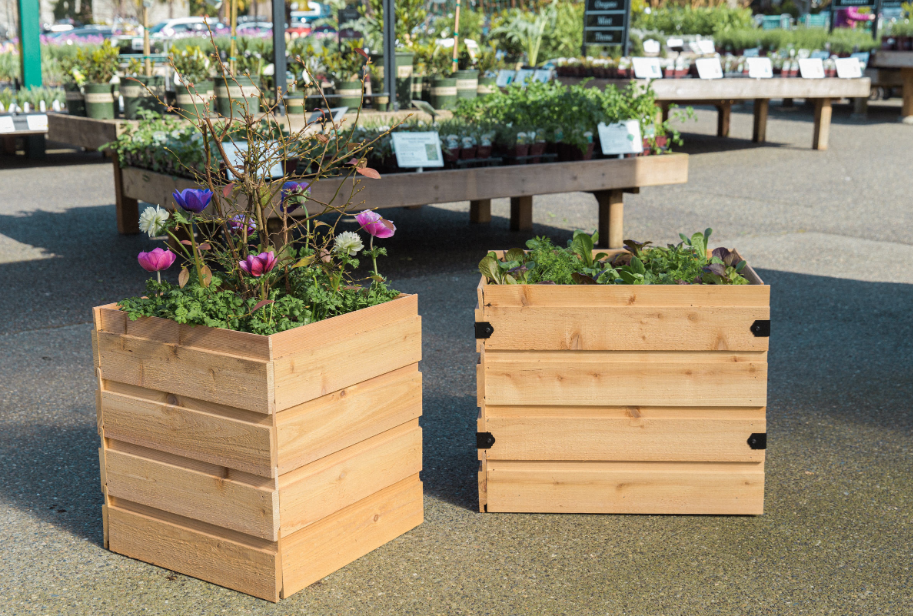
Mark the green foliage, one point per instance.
(687, 20)
(100, 64)
(566, 36)
(192, 64)
(528, 30)
(683, 263)
(162, 143)
(411, 16)
(342, 62)
(900, 28)
(842, 40)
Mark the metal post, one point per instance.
(390, 52)
(279, 76)
(30, 54)
(626, 37)
(877, 10)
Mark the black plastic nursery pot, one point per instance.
(76, 100)
(240, 92)
(444, 92)
(99, 101)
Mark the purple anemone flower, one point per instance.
(156, 260)
(236, 224)
(296, 193)
(257, 265)
(373, 223)
(193, 199)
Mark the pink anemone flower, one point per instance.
(374, 224)
(258, 265)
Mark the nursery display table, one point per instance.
(608, 179)
(622, 399)
(902, 60)
(723, 92)
(18, 125)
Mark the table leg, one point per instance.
(665, 108)
(761, 107)
(611, 218)
(860, 106)
(126, 207)
(521, 213)
(906, 112)
(9, 145)
(822, 123)
(35, 148)
(480, 211)
(722, 119)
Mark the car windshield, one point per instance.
(158, 27)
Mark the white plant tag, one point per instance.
(647, 68)
(848, 68)
(706, 46)
(811, 68)
(415, 150)
(760, 68)
(709, 68)
(6, 125)
(505, 78)
(621, 138)
(37, 122)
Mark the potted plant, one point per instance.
(100, 65)
(625, 381)
(140, 91)
(267, 401)
(345, 64)
(467, 75)
(193, 84)
(443, 86)
(74, 76)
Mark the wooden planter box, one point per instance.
(622, 399)
(259, 463)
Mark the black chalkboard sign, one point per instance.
(605, 22)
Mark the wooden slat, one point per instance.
(323, 547)
(188, 432)
(317, 335)
(483, 484)
(83, 132)
(322, 488)
(606, 487)
(623, 378)
(605, 296)
(624, 328)
(225, 341)
(350, 359)
(185, 491)
(328, 424)
(195, 549)
(892, 59)
(624, 434)
(712, 90)
(215, 377)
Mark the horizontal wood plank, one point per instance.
(179, 489)
(713, 90)
(350, 359)
(83, 132)
(321, 548)
(609, 296)
(644, 488)
(624, 434)
(892, 59)
(330, 484)
(214, 377)
(624, 328)
(201, 551)
(625, 378)
(328, 424)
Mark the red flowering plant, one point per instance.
(257, 239)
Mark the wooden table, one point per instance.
(607, 179)
(902, 60)
(722, 93)
(34, 139)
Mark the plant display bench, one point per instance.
(259, 463)
(903, 61)
(622, 399)
(608, 179)
(722, 93)
(33, 139)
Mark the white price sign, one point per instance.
(505, 78)
(811, 68)
(621, 138)
(37, 122)
(848, 68)
(709, 68)
(6, 125)
(647, 68)
(418, 150)
(760, 68)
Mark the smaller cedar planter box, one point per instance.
(622, 399)
(259, 463)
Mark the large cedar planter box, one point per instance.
(622, 399)
(259, 463)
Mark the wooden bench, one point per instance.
(722, 93)
(607, 179)
(903, 61)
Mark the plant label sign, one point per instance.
(760, 68)
(39, 121)
(709, 68)
(862, 56)
(651, 46)
(823, 55)
(542, 75)
(6, 124)
(754, 52)
(414, 150)
(505, 77)
(848, 68)
(605, 22)
(621, 138)
(523, 76)
(706, 46)
(647, 68)
(811, 68)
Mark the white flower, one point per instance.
(152, 220)
(349, 243)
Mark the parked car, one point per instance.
(180, 28)
(83, 32)
(254, 28)
(302, 21)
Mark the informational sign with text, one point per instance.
(6, 124)
(505, 77)
(605, 22)
(415, 150)
(709, 68)
(811, 68)
(848, 68)
(620, 138)
(760, 68)
(38, 121)
(647, 68)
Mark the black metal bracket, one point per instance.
(761, 328)
(484, 440)
(758, 440)
(484, 330)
